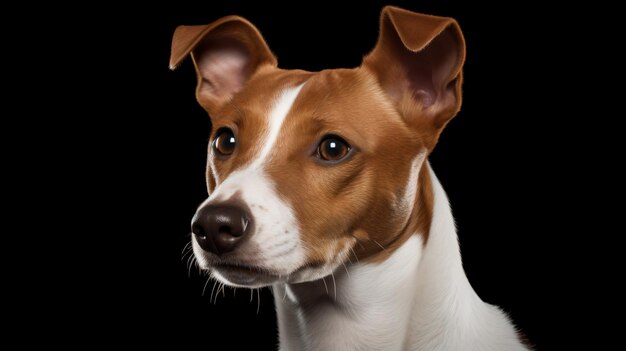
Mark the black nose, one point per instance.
(220, 228)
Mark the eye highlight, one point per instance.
(332, 148)
(225, 142)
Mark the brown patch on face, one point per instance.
(420, 219)
(357, 199)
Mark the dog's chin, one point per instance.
(243, 276)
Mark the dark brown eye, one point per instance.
(225, 143)
(332, 148)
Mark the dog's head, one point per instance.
(308, 169)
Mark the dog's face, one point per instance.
(307, 171)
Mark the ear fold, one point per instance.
(226, 53)
(417, 61)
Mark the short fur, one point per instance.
(361, 254)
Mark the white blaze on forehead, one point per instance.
(276, 117)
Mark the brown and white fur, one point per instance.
(362, 254)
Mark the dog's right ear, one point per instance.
(226, 53)
(418, 62)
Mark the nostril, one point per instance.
(198, 231)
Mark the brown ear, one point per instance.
(226, 53)
(417, 61)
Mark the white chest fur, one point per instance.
(418, 299)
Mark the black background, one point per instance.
(497, 160)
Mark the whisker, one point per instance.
(379, 245)
(324, 280)
(251, 294)
(221, 287)
(205, 284)
(212, 290)
(346, 268)
(185, 248)
(258, 305)
(354, 253)
(184, 255)
(349, 259)
(190, 263)
(217, 291)
(358, 242)
(334, 285)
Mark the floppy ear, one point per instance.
(226, 53)
(417, 61)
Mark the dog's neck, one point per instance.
(417, 299)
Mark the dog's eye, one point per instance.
(332, 148)
(225, 143)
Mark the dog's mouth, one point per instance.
(244, 271)
(243, 275)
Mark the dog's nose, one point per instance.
(220, 228)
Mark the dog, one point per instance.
(320, 187)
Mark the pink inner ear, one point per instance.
(429, 71)
(427, 98)
(223, 65)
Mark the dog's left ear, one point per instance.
(226, 53)
(417, 61)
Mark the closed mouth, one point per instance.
(244, 275)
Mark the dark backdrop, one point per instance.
(495, 160)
